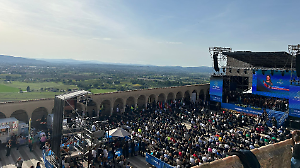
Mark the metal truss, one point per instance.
(222, 59)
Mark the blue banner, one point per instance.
(255, 111)
(216, 86)
(215, 98)
(266, 84)
(242, 108)
(294, 101)
(294, 112)
(156, 162)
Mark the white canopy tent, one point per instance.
(118, 132)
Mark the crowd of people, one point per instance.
(185, 135)
(253, 100)
(179, 134)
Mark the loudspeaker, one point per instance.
(272, 72)
(216, 65)
(298, 65)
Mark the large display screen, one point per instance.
(273, 85)
(216, 88)
(294, 101)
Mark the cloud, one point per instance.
(107, 39)
(170, 42)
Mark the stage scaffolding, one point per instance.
(57, 129)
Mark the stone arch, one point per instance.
(194, 97)
(207, 95)
(2, 115)
(39, 115)
(187, 97)
(141, 101)
(105, 107)
(179, 96)
(91, 108)
(118, 104)
(130, 102)
(151, 98)
(201, 95)
(20, 115)
(170, 97)
(162, 97)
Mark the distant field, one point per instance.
(39, 85)
(102, 90)
(13, 96)
(4, 88)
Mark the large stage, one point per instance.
(253, 82)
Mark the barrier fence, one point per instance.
(157, 162)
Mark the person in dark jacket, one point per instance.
(132, 146)
(295, 160)
(8, 148)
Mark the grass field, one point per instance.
(4, 88)
(102, 90)
(39, 85)
(13, 96)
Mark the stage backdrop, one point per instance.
(274, 85)
(216, 88)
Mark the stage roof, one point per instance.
(264, 59)
(72, 95)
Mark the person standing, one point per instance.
(30, 144)
(38, 165)
(19, 162)
(295, 160)
(8, 148)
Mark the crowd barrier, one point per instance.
(157, 162)
(46, 162)
(256, 111)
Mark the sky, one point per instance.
(147, 32)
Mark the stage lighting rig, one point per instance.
(219, 60)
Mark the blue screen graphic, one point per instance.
(294, 102)
(270, 85)
(216, 88)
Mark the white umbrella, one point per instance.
(118, 132)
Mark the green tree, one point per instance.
(28, 89)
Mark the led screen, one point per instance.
(273, 85)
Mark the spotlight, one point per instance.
(253, 71)
(245, 71)
(223, 69)
(238, 70)
(229, 70)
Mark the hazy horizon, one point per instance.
(161, 33)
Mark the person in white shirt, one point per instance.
(105, 153)
(93, 128)
(94, 153)
(192, 160)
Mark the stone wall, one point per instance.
(271, 156)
